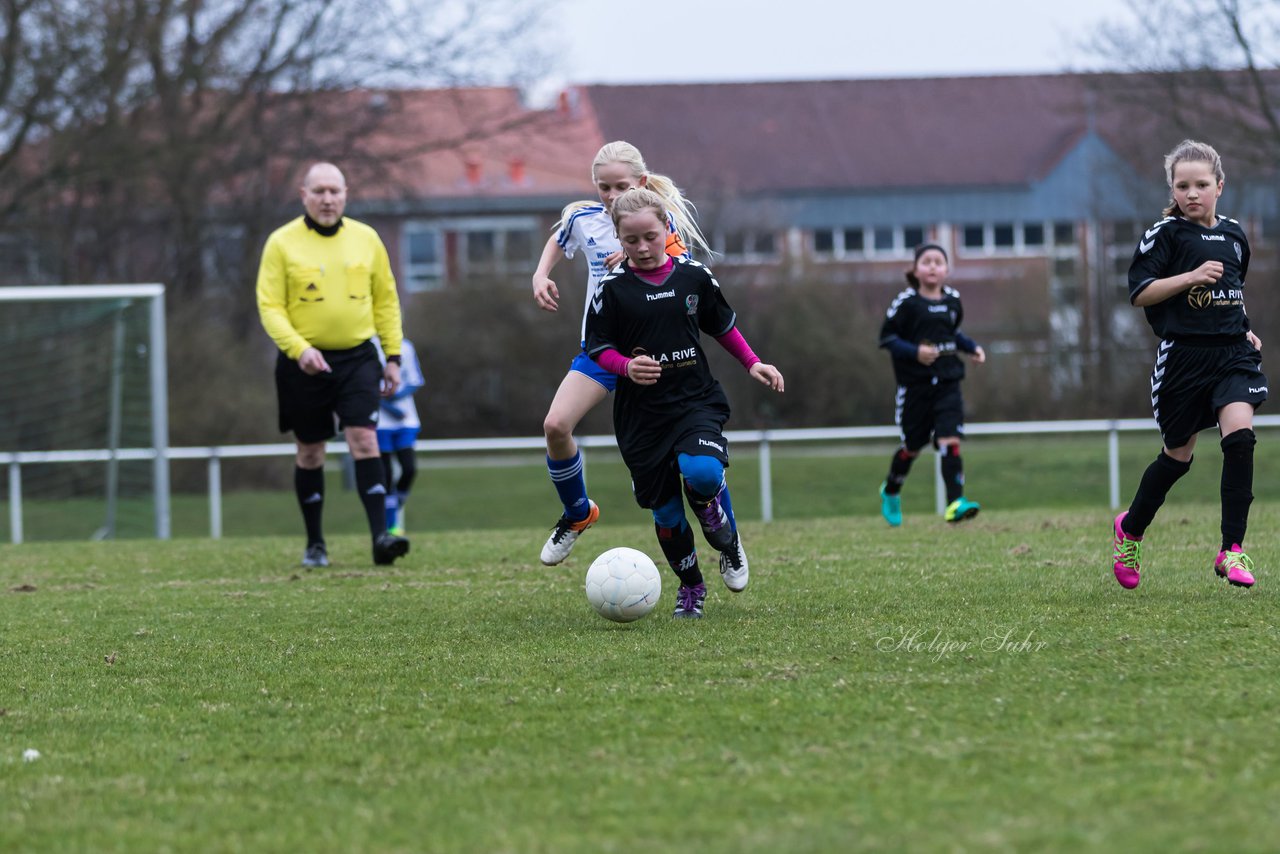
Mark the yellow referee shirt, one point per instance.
(331, 293)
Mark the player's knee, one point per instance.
(363, 442)
(949, 447)
(703, 473)
(310, 455)
(557, 427)
(670, 514)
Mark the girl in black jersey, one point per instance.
(1188, 274)
(644, 324)
(922, 333)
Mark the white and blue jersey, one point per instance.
(398, 420)
(590, 230)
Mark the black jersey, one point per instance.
(1175, 245)
(920, 320)
(663, 322)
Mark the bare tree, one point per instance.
(1210, 70)
(143, 123)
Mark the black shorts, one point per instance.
(654, 466)
(1189, 384)
(350, 392)
(926, 411)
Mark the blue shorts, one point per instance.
(394, 440)
(583, 364)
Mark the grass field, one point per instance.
(987, 687)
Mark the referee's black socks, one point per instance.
(309, 485)
(372, 486)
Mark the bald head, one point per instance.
(324, 193)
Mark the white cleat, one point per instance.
(733, 566)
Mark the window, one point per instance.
(912, 236)
(883, 237)
(518, 248)
(1003, 234)
(824, 241)
(854, 241)
(751, 245)
(423, 267)
(1064, 233)
(974, 237)
(481, 248)
(1033, 234)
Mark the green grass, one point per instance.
(986, 687)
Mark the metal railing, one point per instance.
(762, 439)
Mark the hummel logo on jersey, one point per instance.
(719, 448)
(1151, 232)
(937, 309)
(1221, 237)
(1253, 390)
(660, 295)
(1146, 247)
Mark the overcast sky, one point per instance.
(711, 40)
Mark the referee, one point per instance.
(324, 290)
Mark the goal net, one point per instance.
(83, 412)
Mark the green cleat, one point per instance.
(890, 507)
(961, 509)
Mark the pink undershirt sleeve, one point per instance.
(613, 362)
(738, 348)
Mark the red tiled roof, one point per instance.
(818, 135)
(482, 142)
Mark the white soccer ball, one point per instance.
(623, 585)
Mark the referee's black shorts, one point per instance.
(1190, 383)
(315, 407)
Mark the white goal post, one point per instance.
(33, 445)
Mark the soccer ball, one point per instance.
(623, 585)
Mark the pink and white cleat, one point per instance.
(1235, 566)
(1128, 554)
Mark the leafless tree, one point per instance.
(150, 124)
(1209, 70)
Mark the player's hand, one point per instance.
(390, 379)
(979, 356)
(767, 374)
(643, 370)
(545, 293)
(1254, 340)
(926, 354)
(312, 362)
(613, 259)
(1207, 273)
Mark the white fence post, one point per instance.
(215, 495)
(15, 502)
(1113, 464)
(766, 478)
(939, 485)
